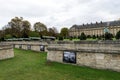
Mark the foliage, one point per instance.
(34, 34)
(108, 36)
(60, 37)
(99, 37)
(83, 36)
(52, 32)
(70, 38)
(41, 28)
(94, 37)
(18, 27)
(25, 29)
(8, 36)
(64, 32)
(117, 35)
(88, 36)
(2, 39)
(38, 26)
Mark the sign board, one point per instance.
(69, 57)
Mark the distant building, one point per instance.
(95, 28)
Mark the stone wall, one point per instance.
(6, 51)
(29, 45)
(95, 54)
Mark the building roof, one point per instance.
(95, 25)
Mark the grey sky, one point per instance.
(59, 13)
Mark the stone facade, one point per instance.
(6, 51)
(95, 54)
(95, 28)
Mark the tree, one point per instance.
(15, 25)
(94, 37)
(2, 35)
(99, 37)
(25, 29)
(38, 26)
(53, 32)
(83, 36)
(88, 36)
(34, 34)
(117, 35)
(64, 32)
(108, 36)
(19, 27)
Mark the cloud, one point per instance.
(60, 13)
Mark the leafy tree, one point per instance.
(117, 35)
(2, 35)
(99, 37)
(60, 37)
(94, 37)
(15, 25)
(83, 36)
(108, 36)
(25, 29)
(64, 32)
(88, 36)
(53, 32)
(70, 38)
(34, 34)
(8, 36)
(41, 28)
(18, 27)
(38, 26)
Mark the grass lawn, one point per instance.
(29, 65)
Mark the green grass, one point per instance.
(29, 65)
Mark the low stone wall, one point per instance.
(95, 54)
(30, 45)
(6, 51)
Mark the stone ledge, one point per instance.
(31, 44)
(5, 48)
(87, 50)
(86, 42)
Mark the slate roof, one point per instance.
(95, 25)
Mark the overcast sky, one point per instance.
(59, 13)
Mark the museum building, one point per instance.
(95, 28)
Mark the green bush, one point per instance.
(117, 35)
(94, 37)
(108, 36)
(60, 38)
(83, 36)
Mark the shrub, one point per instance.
(117, 35)
(94, 37)
(83, 36)
(60, 38)
(108, 36)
